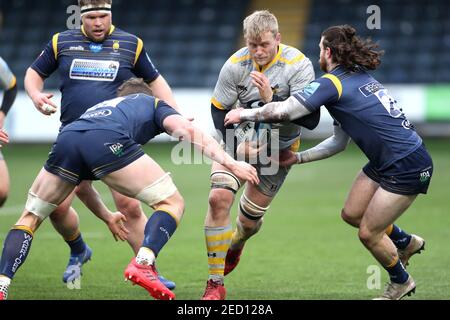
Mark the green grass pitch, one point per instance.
(304, 250)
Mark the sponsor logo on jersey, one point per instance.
(96, 114)
(425, 176)
(94, 70)
(96, 47)
(309, 90)
(77, 48)
(369, 89)
(116, 149)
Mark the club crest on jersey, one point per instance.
(116, 46)
(96, 47)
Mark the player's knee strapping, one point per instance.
(39, 207)
(158, 191)
(251, 210)
(225, 180)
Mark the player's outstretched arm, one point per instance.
(289, 109)
(327, 148)
(181, 128)
(34, 85)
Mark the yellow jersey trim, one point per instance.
(156, 102)
(55, 45)
(337, 83)
(24, 228)
(13, 82)
(298, 58)
(140, 46)
(170, 214)
(235, 59)
(217, 104)
(267, 66)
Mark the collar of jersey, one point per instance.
(111, 30)
(267, 66)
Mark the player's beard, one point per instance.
(323, 64)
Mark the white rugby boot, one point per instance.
(396, 291)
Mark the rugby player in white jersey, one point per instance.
(263, 71)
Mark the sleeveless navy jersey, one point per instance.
(137, 116)
(366, 112)
(91, 72)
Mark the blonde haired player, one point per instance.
(265, 70)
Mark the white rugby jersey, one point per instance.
(290, 71)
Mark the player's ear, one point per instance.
(278, 37)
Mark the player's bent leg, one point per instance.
(384, 208)
(218, 231)
(65, 220)
(46, 192)
(4, 182)
(362, 191)
(358, 199)
(252, 207)
(144, 180)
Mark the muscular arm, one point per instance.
(161, 90)
(289, 109)
(179, 127)
(34, 83)
(327, 148)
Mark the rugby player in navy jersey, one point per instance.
(92, 63)
(399, 165)
(116, 129)
(9, 86)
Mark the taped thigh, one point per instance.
(225, 180)
(158, 191)
(39, 207)
(250, 210)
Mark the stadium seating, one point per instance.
(188, 40)
(415, 36)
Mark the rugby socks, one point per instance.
(399, 237)
(158, 230)
(77, 245)
(218, 241)
(15, 250)
(397, 272)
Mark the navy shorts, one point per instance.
(91, 154)
(408, 176)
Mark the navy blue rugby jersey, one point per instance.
(91, 72)
(366, 111)
(138, 116)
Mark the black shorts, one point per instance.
(408, 176)
(90, 155)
